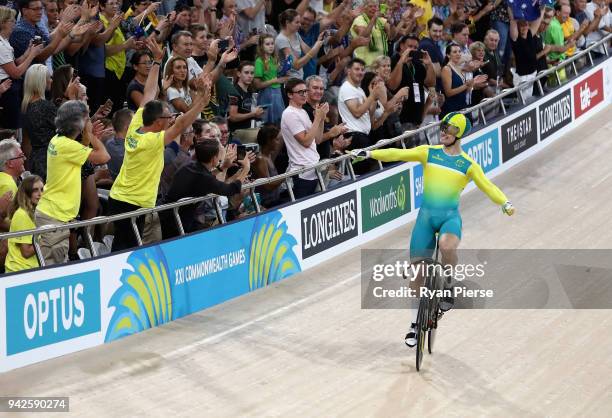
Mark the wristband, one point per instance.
(156, 62)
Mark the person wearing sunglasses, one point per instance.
(301, 136)
(447, 169)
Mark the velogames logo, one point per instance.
(47, 312)
(485, 150)
(555, 114)
(519, 134)
(385, 200)
(588, 93)
(328, 224)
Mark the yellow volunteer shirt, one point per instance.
(428, 14)
(7, 184)
(568, 30)
(15, 261)
(115, 63)
(62, 197)
(143, 163)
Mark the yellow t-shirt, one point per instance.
(568, 30)
(7, 184)
(428, 14)
(143, 163)
(62, 197)
(115, 63)
(367, 53)
(15, 261)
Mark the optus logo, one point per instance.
(485, 150)
(51, 311)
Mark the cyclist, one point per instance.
(447, 169)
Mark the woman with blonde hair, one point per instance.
(21, 254)
(382, 67)
(176, 84)
(38, 118)
(477, 49)
(12, 67)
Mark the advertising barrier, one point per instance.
(54, 311)
(588, 93)
(555, 114)
(519, 134)
(385, 200)
(485, 150)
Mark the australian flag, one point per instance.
(528, 10)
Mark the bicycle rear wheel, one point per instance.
(421, 327)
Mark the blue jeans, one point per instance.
(504, 47)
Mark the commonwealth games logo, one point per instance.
(144, 299)
(271, 257)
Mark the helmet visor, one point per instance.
(449, 129)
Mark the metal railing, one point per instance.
(318, 168)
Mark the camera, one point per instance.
(37, 40)
(416, 55)
(223, 45)
(242, 150)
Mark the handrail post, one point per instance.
(255, 202)
(320, 178)
(290, 188)
(135, 229)
(351, 171)
(482, 115)
(177, 219)
(41, 260)
(94, 251)
(219, 210)
(539, 80)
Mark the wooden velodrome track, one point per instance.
(303, 347)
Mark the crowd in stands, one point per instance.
(158, 101)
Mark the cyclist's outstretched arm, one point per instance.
(418, 154)
(475, 173)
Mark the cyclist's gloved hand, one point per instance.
(508, 209)
(359, 154)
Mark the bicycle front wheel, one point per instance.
(421, 325)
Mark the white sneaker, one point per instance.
(411, 337)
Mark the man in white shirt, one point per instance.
(356, 109)
(598, 13)
(301, 136)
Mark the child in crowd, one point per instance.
(21, 254)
